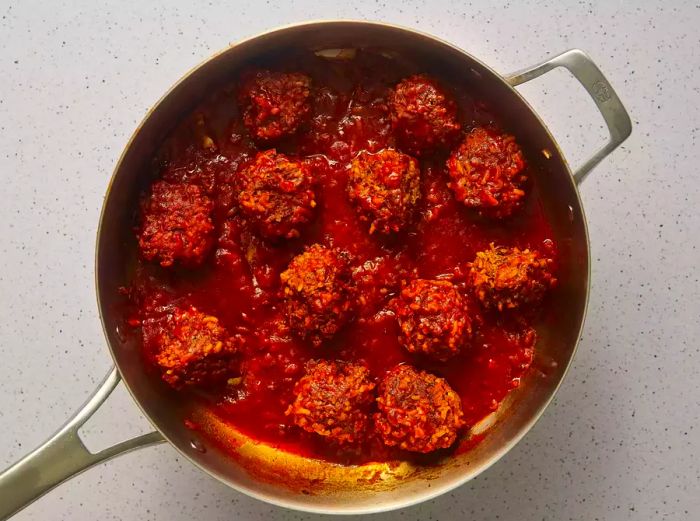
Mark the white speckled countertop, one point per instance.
(622, 438)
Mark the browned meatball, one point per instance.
(423, 115)
(333, 399)
(190, 348)
(505, 278)
(417, 410)
(385, 187)
(274, 104)
(176, 225)
(317, 291)
(487, 173)
(275, 192)
(433, 317)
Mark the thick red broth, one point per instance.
(240, 281)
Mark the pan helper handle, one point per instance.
(585, 71)
(62, 456)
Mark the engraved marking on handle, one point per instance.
(601, 91)
(587, 73)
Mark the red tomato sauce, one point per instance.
(240, 281)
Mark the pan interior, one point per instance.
(291, 480)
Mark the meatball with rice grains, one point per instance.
(176, 225)
(191, 348)
(274, 104)
(423, 115)
(418, 411)
(385, 187)
(433, 317)
(318, 293)
(487, 173)
(509, 278)
(333, 400)
(275, 193)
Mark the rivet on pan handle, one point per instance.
(610, 106)
(62, 456)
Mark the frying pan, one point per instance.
(263, 471)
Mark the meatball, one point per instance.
(506, 278)
(176, 225)
(423, 115)
(487, 173)
(317, 288)
(333, 399)
(274, 104)
(433, 317)
(385, 187)
(418, 411)
(275, 193)
(191, 348)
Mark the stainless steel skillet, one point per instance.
(265, 472)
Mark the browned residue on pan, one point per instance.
(299, 473)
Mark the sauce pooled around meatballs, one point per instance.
(343, 258)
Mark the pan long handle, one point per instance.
(585, 71)
(62, 456)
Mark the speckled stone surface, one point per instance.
(622, 438)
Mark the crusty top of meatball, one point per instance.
(332, 400)
(423, 115)
(418, 411)
(487, 172)
(318, 290)
(274, 104)
(385, 187)
(276, 193)
(176, 225)
(506, 278)
(433, 317)
(191, 348)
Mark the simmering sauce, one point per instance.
(239, 282)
